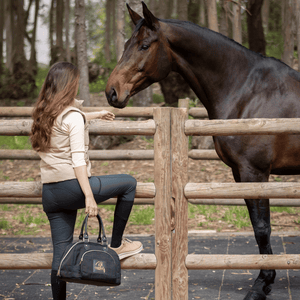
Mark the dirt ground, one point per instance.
(143, 171)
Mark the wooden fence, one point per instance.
(170, 191)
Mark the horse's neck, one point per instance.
(212, 65)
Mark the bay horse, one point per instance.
(232, 82)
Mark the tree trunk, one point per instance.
(33, 61)
(59, 30)
(2, 7)
(51, 33)
(9, 29)
(287, 32)
(256, 35)
(193, 11)
(237, 22)
(120, 37)
(212, 15)
(164, 9)
(202, 13)
(182, 10)
(84, 92)
(297, 12)
(67, 28)
(114, 24)
(108, 8)
(224, 17)
(144, 97)
(265, 15)
(20, 83)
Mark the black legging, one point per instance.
(61, 201)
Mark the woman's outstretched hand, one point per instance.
(106, 115)
(91, 207)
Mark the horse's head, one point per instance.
(146, 59)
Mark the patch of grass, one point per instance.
(108, 207)
(289, 210)
(5, 207)
(132, 173)
(150, 179)
(80, 218)
(142, 215)
(238, 216)
(105, 164)
(4, 224)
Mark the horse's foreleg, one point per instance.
(259, 211)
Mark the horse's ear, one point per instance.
(151, 20)
(135, 17)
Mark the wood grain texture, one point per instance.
(27, 200)
(241, 202)
(162, 180)
(23, 127)
(179, 180)
(124, 112)
(213, 262)
(93, 154)
(242, 127)
(253, 190)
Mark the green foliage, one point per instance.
(98, 85)
(40, 78)
(158, 98)
(15, 142)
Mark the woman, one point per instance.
(60, 136)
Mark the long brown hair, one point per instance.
(58, 92)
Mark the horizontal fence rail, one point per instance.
(223, 261)
(28, 200)
(110, 154)
(23, 127)
(125, 112)
(247, 190)
(148, 261)
(241, 202)
(242, 127)
(196, 112)
(93, 154)
(12, 261)
(34, 189)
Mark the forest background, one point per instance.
(92, 33)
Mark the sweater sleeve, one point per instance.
(73, 122)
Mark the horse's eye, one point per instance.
(145, 47)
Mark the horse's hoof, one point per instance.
(252, 295)
(267, 289)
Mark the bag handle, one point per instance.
(84, 236)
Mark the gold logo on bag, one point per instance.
(98, 265)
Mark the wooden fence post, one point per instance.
(179, 180)
(162, 181)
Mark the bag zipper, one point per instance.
(58, 272)
(95, 251)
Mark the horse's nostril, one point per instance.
(114, 96)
